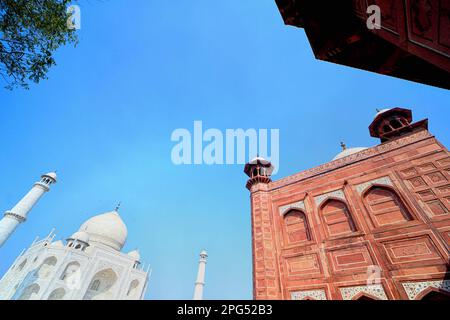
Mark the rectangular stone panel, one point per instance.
(410, 172)
(390, 16)
(418, 249)
(303, 265)
(350, 259)
(444, 162)
(417, 182)
(426, 194)
(436, 208)
(444, 189)
(436, 177)
(446, 235)
(426, 167)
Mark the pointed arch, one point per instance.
(22, 265)
(385, 207)
(433, 294)
(363, 296)
(30, 292)
(70, 269)
(296, 226)
(337, 217)
(132, 289)
(57, 294)
(46, 267)
(101, 286)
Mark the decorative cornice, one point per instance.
(297, 205)
(15, 216)
(359, 156)
(255, 180)
(385, 181)
(333, 194)
(413, 289)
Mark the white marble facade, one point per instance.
(89, 266)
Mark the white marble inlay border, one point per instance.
(314, 294)
(386, 181)
(297, 205)
(376, 290)
(335, 194)
(413, 289)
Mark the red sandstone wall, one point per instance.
(387, 206)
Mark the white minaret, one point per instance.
(200, 283)
(19, 213)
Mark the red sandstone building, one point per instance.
(324, 233)
(413, 42)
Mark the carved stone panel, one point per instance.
(303, 265)
(413, 289)
(375, 290)
(297, 205)
(418, 249)
(339, 194)
(309, 294)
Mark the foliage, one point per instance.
(30, 33)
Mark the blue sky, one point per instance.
(105, 117)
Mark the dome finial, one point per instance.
(118, 206)
(343, 146)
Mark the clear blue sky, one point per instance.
(144, 68)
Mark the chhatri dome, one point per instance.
(80, 236)
(348, 151)
(135, 254)
(51, 175)
(107, 229)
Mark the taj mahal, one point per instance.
(90, 265)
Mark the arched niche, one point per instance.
(101, 286)
(30, 293)
(70, 269)
(296, 226)
(133, 289)
(22, 265)
(46, 267)
(384, 206)
(434, 294)
(57, 294)
(362, 296)
(337, 217)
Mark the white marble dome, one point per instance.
(347, 152)
(107, 229)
